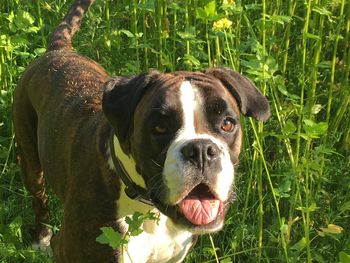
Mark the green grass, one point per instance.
(293, 186)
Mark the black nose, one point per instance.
(201, 152)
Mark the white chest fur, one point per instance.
(159, 242)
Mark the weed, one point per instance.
(293, 181)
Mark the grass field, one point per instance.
(293, 187)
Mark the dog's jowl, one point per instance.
(112, 146)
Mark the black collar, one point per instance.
(132, 190)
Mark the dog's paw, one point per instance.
(43, 242)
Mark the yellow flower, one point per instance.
(47, 6)
(222, 24)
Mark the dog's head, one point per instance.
(183, 131)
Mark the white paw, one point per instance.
(44, 244)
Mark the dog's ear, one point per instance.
(250, 101)
(120, 98)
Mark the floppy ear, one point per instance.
(120, 98)
(250, 101)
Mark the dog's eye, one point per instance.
(160, 129)
(227, 125)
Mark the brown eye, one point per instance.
(227, 125)
(160, 129)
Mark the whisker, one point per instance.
(159, 165)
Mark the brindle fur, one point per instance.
(62, 135)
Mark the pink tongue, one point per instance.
(200, 208)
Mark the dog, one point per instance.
(112, 146)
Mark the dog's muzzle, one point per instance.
(201, 206)
(201, 153)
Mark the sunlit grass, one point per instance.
(293, 181)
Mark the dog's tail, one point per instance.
(63, 35)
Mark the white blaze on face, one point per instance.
(189, 104)
(174, 166)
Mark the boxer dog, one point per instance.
(111, 146)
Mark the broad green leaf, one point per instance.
(282, 88)
(135, 222)
(252, 64)
(108, 43)
(284, 228)
(279, 19)
(210, 9)
(316, 108)
(175, 6)
(344, 257)
(12, 27)
(232, 7)
(15, 227)
(309, 209)
(32, 29)
(300, 245)
(314, 165)
(4, 40)
(39, 51)
(110, 237)
(147, 6)
(208, 12)
(10, 17)
(192, 60)
(313, 129)
(23, 20)
(189, 33)
(139, 35)
(226, 260)
(200, 14)
(127, 33)
(285, 186)
(271, 64)
(289, 127)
